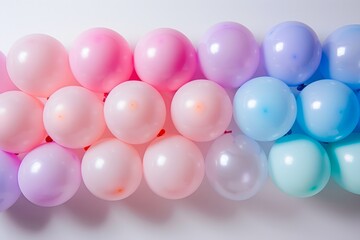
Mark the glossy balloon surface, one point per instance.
(5, 82)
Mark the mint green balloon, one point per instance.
(299, 165)
(345, 162)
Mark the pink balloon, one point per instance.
(201, 110)
(5, 82)
(111, 169)
(165, 58)
(101, 59)
(21, 127)
(38, 65)
(73, 117)
(173, 167)
(134, 112)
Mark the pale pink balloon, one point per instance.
(134, 112)
(73, 117)
(165, 58)
(100, 59)
(38, 65)
(111, 169)
(5, 82)
(21, 125)
(173, 167)
(201, 110)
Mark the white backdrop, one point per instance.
(333, 214)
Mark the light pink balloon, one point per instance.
(73, 117)
(201, 110)
(21, 127)
(101, 59)
(111, 169)
(38, 65)
(173, 167)
(165, 58)
(5, 82)
(134, 112)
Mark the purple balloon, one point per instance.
(228, 54)
(9, 187)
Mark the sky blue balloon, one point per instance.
(328, 110)
(292, 52)
(299, 165)
(345, 162)
(264, 108)
(341, 56)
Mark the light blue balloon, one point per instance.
(341, 55)
(264, 108)
(299, 165)
(328, 110)
(345, 162)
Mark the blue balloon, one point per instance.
(328, 110)
(299, 165)
(341, 56)
(264, 108)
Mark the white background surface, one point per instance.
(333, 214)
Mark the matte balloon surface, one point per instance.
(5, 82)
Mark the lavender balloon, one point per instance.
(9, 188)
(236, 167)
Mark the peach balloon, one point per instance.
(21, 127)
(73, 117)
(5, 82)
(201, 110)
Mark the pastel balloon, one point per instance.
(236, 167)
(341, 56)
(134, 112)
(328, 110)
(173, 167)
(345, 162)
(21, 127)
(5, 82)
(264, 108)
(73, 117)
(49, 175)
(100, 59)
(299, 165)
(201, 110)
(38, 65)
(111, 169)
(292, 52)
(165, 58)
(228, 54)
(9, 187)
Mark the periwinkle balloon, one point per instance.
(236, 167)
(328, 110)
(264, 108)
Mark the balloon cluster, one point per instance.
(54, 102)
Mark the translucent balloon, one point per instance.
(134, 112)
(38, 65)
(228, 54)
(173, 167)
(5, 82)
(341, 56)
(101, 59)
(299, 165)
(73, 117)
(165, 58)
(328, 110)
(345, 162)
(21, 127)
(111, 169)
(292, 52)
(201, 110)
(236, 167)
(49, 175)
(264, 108)
(9, 187)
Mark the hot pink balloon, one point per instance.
(73, 117)
(5, 82)
(38, 65)
(101, 59)
(165, 58)
(21, 127)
